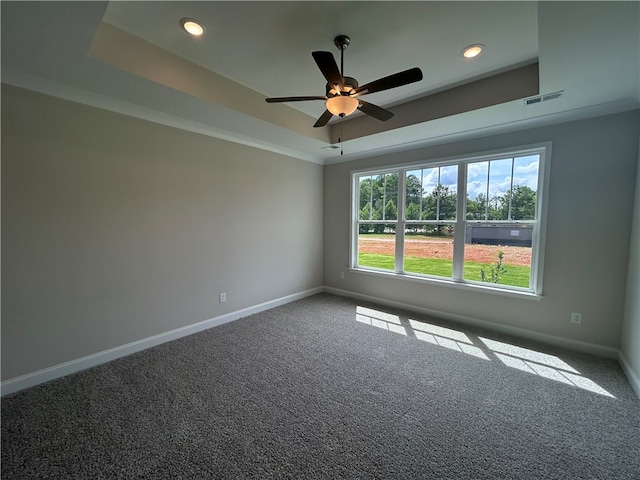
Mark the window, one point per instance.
(474, 221)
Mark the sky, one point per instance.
(495, 174)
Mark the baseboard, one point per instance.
(57, 371)
(632, 376)
(592, 348)
(51, 373)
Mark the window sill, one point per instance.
(471, 287)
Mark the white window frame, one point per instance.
(457, 280)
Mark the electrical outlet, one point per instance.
(341, 275)
(222, 297)
(576, 318)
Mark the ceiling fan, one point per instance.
(342, 93)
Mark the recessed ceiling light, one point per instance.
(472, 50)
(192, 27)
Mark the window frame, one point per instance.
(462, 161)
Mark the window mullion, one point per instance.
(513, 162)
(459, 231)
(438, 196)
(400, 222)
(371, 198)
(421, 192)
(486, 207)
(384, 196)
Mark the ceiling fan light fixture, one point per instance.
(341, 90)
(472, 50)
(192, 27)
(342, 105)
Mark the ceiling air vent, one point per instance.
(543, 98)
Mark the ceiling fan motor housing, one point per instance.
(342, 42)
(348, 84)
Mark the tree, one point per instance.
(365, 194)
(477, 208)
(518, 203)
(523, 203)
(378, 191)
(365, 212)
(390, 211)
(440, 204)
(495, 208)
(412, 212)
(413, 191)
(496, 270)
(389, 184)
(448, 203)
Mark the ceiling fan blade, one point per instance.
(392, 81)
(374, 111)
(328, 66)
(292, 99)
(324, 119)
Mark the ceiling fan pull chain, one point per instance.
(340, 138)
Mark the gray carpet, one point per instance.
(314, 390)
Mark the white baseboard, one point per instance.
(632, 376)
(51, 373)
(57, 371)
(592, 348)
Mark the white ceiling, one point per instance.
(157, 72)
(267, 47)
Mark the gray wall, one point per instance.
(630, 343)
(115, 229)
(593, 170)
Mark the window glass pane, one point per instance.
(525, 186)
(477, 190)
(491, 195)
(365, 184)
(499, 188)
(439, 185)
(448, 192)
(525, 171)
(378, 197)
(430, 179)
(498, 254)
(413, 197)
(390, 198)
(377, 245)
(428, 249)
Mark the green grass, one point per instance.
(411, 235)
(431, 266)
(516, 276)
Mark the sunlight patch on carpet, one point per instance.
(383, 320)
(543, 365)
(445, 337)
(512, 356)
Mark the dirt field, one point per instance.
(433, 247)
